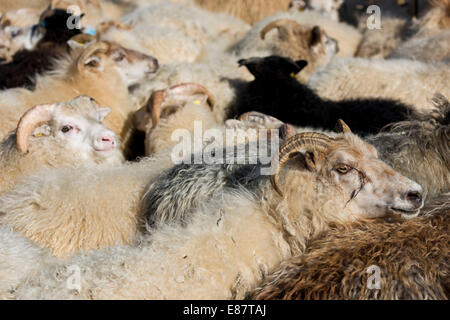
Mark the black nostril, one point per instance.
(414, 196)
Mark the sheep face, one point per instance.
(348, 176)
(327, 8)
(74, 126)
(132, 66)
(13, 39)
(369, 186)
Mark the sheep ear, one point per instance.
(301, 64)
(103, 113)
(315, 36)
(342, 127)
(312, 160)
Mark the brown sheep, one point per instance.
(413, 257)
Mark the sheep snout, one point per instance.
(105, 142)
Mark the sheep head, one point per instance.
(96, 57)
(74, 125)
(188, 101)
(14, 38)
(273, 67)
(366, 186)
(301, 42)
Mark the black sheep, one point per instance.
(27, 63)
(276, 92)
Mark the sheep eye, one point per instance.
(343, 169)
(66, 129)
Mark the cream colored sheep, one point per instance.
(102, 70)
(66, 134)
(87, 208)
(250, 11)
(412, 82)
(221, 75)
(231, 241)
(198, 25)
(348, 38)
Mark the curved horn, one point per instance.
(296, 143)
(155, 103)
(32, 119)
(342, 127)
(158, 97)
(285, 24)
(191, 88)
(89, 51)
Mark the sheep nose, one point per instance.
(105, 143)
(415, 197)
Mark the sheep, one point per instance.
(102, 70)
(220, 74)
(401, 38)
(168, 45)
(417, 148)
(431, 41)
(250, 11)
(237, 237)
(428, 49)
(38, 58)
(328, 8)
(22, 17)
(294, 41)
(276, 92)
(13, 39)
(411, 256)
(88, 208)
(380, 43)
(19, 257)
(9, 5)
(411, 82)
(67, 134)
(195, 26)
(348, 38)
(174, 108)
(420, 148)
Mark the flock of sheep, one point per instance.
(93, 93)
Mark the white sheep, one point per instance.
(411, 82)
(229, 243)
(65, 134)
